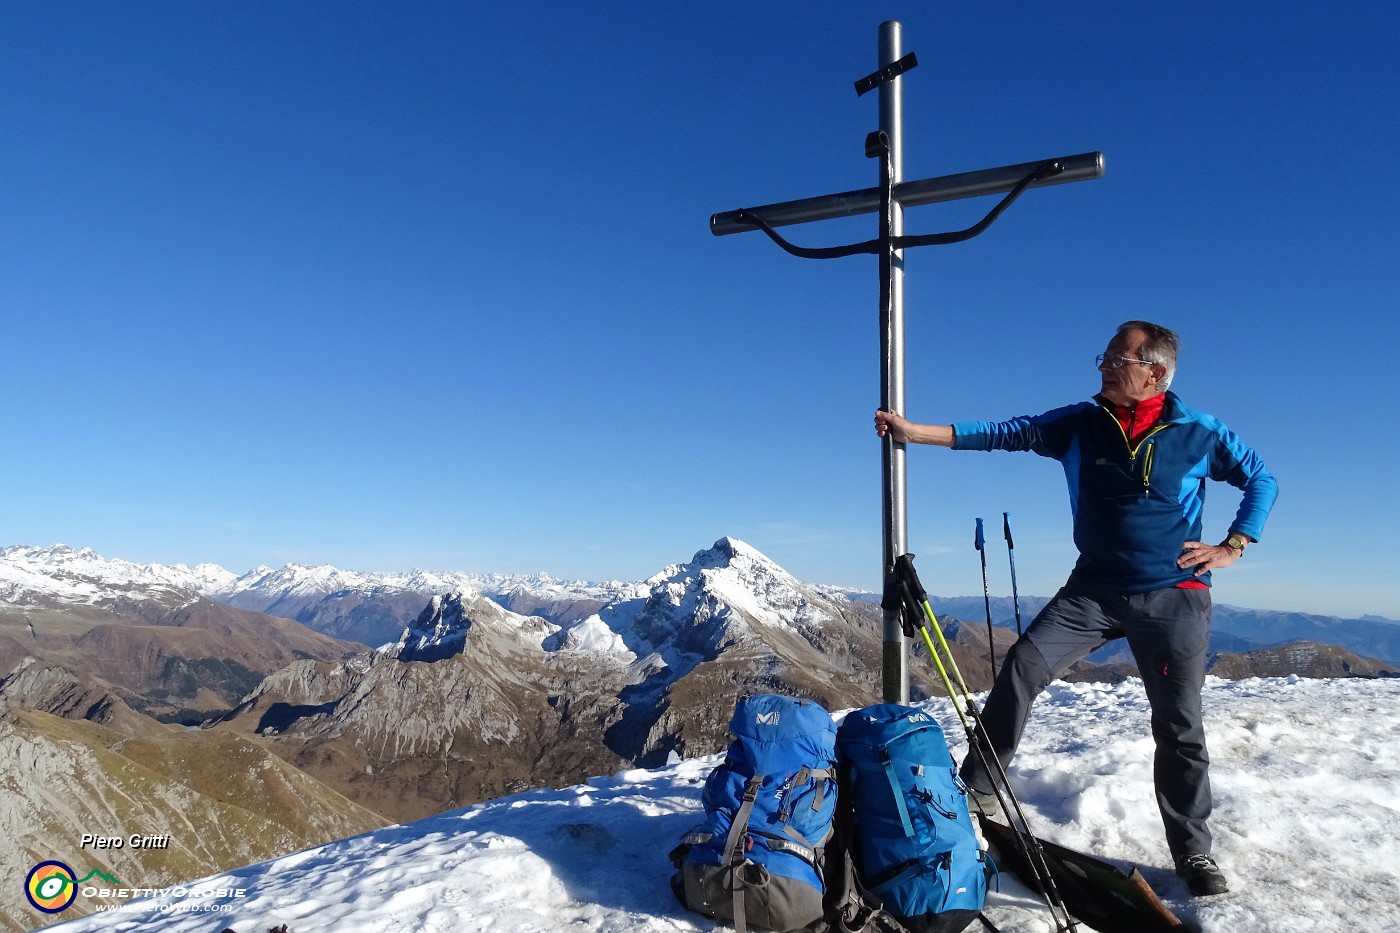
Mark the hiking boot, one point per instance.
(1202, 875)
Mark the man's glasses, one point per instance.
(1116, 361)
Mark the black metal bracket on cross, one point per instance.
(888, 73)
(890, 198)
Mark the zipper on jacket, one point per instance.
(1133, 451)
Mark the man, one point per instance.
(1136, 460)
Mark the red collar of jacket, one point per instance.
(1139, 419)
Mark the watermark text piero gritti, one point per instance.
(134, 841)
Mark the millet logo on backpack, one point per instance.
(768, 719)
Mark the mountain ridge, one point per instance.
(372, 608)
(207, 801)
(210, 579)
(473, 700)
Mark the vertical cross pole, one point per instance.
(895, 668)
(891, 198)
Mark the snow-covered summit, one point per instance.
(732, 575)
(306, 581)
(61, 570)
(725, 554)
(690, 612)
(439, 632)
(80, 575)
(444, 626)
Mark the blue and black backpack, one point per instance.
(769, 807)
(913, 841)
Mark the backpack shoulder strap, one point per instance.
(734, 848)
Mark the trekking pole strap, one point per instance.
(903, 571)
(904, 590)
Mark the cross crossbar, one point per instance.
(1083, 167)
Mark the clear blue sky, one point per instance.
(394, 285)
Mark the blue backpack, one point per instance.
(758, 856)
(913, 845)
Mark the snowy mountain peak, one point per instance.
(62, 574)
(728, 549)
(54, 555)
(744, 577)
(693, 611)
(444, 626)
(726, 554)
(440, 631)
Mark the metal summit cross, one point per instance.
(890, 199)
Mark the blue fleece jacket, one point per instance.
(1134, 506)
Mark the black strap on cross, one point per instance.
(889, 199)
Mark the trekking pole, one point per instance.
(980, 543)
(903, 584)
(980, 745)
(1006, 799)
(1011, 553)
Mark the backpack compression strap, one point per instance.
(808, 848)
(904, 820)
(803, 775)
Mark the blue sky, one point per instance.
(431, 284)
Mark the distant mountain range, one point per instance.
(1234, 629)
(387, 697)
(374, 607)
(596, 678)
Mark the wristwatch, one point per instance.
(1237, 542)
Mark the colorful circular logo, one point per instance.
(51, 887)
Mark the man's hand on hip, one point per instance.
(1202, 557)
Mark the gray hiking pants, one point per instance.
(1167, 631)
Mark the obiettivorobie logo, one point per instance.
(52, 886)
